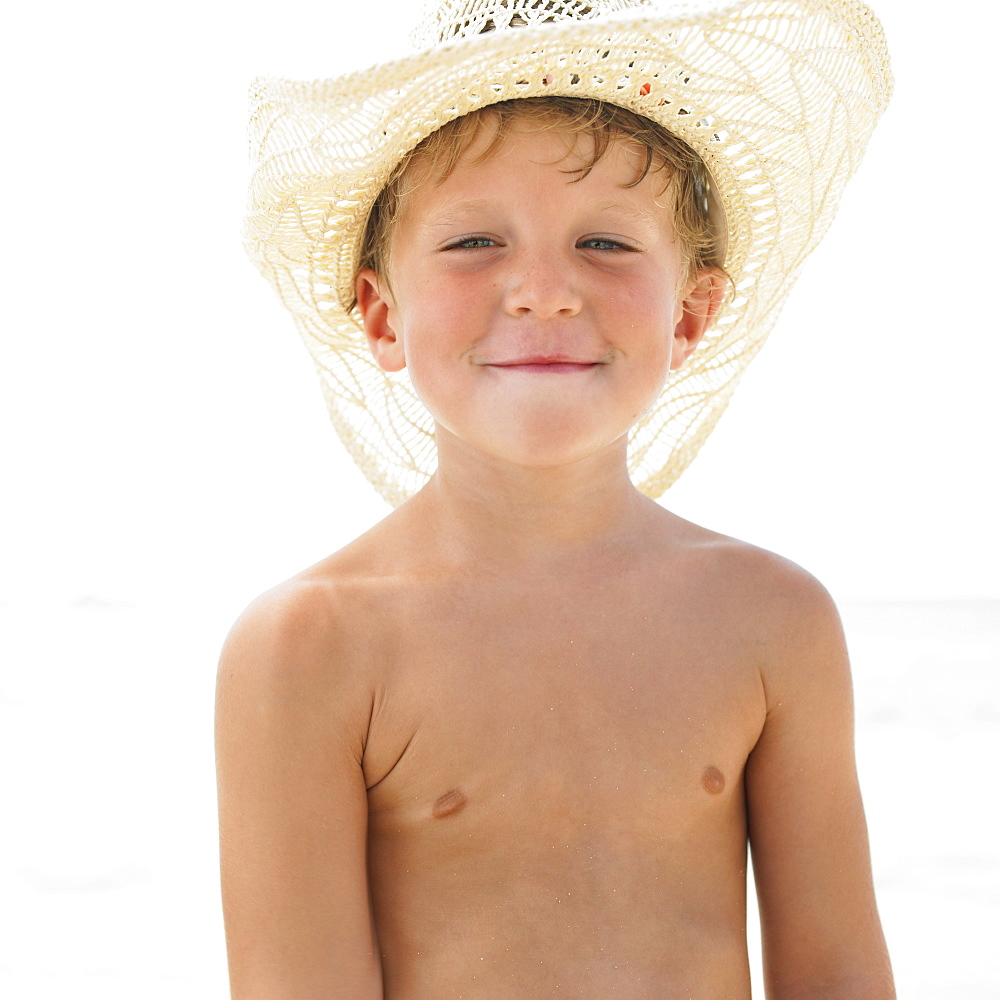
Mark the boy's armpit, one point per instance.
(819, 923)
(290, 724)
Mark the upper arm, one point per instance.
(290, 730)
(819, 924)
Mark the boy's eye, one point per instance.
(471, 243)
(600, 243)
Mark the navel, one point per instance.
(449, 804)
(713, 780)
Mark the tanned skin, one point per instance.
(513, 742)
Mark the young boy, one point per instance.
(514, 740)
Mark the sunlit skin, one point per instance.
(513, 741)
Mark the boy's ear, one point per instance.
(378, 313)
(701, 298)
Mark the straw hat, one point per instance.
(778, 97)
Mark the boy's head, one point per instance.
(778, 120)
(537, 294)
(686, 182)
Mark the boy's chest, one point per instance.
(560, 720)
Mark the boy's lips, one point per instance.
(546, 364)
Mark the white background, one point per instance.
(167, 457)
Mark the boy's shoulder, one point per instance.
(363, 581)
(335, 621)
(310, 631)
(726, 564)
(758, 596)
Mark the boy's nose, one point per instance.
(542, 285)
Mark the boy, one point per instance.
(514, 740)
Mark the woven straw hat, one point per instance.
(778, 97)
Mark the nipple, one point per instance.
(448, 804)
(713, 780)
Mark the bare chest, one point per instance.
(568, 770)
(601, 724)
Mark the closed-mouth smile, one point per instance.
(546, 364)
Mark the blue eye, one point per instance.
(598, 243)
(471, 243)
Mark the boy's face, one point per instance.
(538, 315)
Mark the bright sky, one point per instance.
(166, 435)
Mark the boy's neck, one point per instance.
(539, 517)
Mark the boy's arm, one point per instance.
(819, 924)
(290, 731)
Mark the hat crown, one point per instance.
(447, 19)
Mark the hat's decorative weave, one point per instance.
(778, 97)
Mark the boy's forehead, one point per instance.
(487, 173)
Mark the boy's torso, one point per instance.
(554, 767)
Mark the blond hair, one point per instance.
(687, 178)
